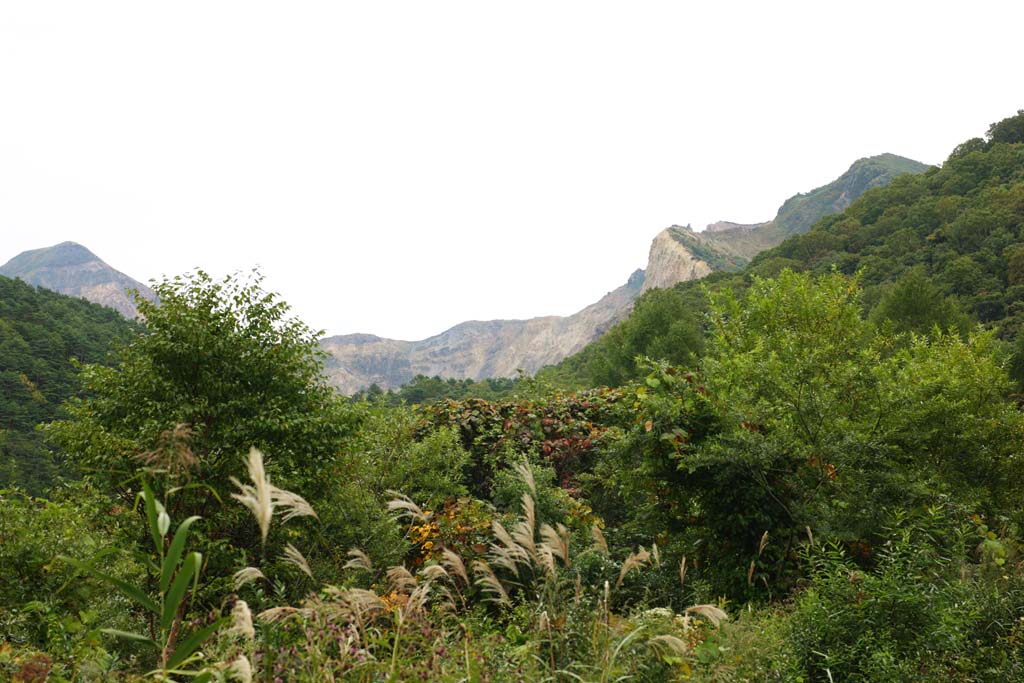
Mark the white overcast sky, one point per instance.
(398, 167)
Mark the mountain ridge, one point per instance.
(71, 269)
(501, 348)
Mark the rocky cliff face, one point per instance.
(475, 349)
(71, 269)
(670, 261)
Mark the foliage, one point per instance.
(174, 574)
(43, 606)
(661, 326)
(42, 333)
(217, 369)
(926, 610)
(422, 389)
(562, 430)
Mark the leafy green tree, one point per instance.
(218, 368)
(663, 326)
(914, 304)
(1009, 130)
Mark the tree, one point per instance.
(915, 304)
(663, 326)
(1009, 130)
(218, 368)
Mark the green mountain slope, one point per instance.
(729, 246)
(941, 247)
(40, 333)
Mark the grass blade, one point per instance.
(190, 644)
(177, 592)
(174, 553)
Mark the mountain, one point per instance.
(729, 246)
(475, 349)
(941, 248)
(71, 269)
(498, 348)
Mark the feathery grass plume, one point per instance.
(750, 572)
(258, 497)
(279, 613)
(241, 622)
(669, 646)
(400, 579)
(506, 558)
(763, 543)
(682, 571)
(293, 556)
(634, 561)
(172, 454)
(557, 540)
(418, 598)
(525, 472)
(600, 544)
(240, 670)
(245, 575)
(655, 555)
(712, 613)
(523, 535)
(360, 560)
(489, 583)
(546, 559)
(295, 504)
(365, 601)
(350, 604)
(433, 572)
(810, 536)
(511, 550)
(404, 506)
(454, 564)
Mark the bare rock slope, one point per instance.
(492, 348)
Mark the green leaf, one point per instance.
(153, 515)
(189, 645)
(177, 592)
(174, 553)
(128, 635)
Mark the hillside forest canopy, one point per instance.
(808, 470)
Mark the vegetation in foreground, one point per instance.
(807, 487)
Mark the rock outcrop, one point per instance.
(670, 261)
(71, 269)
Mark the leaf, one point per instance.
(153, 515)
(128, 635)
(177, 592)
(189, 645)
(174, 553)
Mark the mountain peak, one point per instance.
(72, 269)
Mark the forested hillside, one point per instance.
(814, 476)
(943, 247)
(42, 333)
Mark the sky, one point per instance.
(398, 167)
